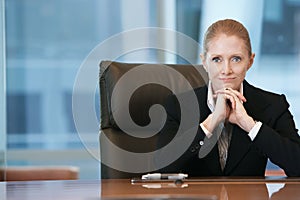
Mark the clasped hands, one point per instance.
(229, 107)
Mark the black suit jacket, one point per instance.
(277, 139)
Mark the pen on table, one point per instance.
(159, 176)
(169, 185)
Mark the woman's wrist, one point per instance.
(210, 123)
(207, 122)
(249, 124)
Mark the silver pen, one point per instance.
(159, 176)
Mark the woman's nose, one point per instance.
(227, 68)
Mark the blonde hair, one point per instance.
(228, 27)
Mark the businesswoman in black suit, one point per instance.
(257, 124)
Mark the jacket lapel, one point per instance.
(256, 105)
(238, 148)
(240, 141)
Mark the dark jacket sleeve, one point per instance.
(185, 142)
(278, 137)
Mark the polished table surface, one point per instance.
(201, 189)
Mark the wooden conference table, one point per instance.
(191, 189)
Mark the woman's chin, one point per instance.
(229, 85)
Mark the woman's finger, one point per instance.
(232, 100)
(238, 94)
(231, 92)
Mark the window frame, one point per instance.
(2, 85)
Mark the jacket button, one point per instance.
(201, 143)
(192, 149)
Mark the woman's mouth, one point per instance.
(227, 79)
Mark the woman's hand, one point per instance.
(234, 110)
(224, 102)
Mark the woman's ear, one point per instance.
(251, 61)
(203, 61)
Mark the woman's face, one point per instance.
(227, 61)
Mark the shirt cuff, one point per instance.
(206, 132)
(254, 131)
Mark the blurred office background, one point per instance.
(46, 41)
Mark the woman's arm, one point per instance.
(278, 137)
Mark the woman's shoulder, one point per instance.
(260, 94)
(260, 91)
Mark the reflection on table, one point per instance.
(125, 189)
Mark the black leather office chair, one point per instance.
(140, 101)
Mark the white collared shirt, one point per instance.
(211, 105)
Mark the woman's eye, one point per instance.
(216, 59)
(236, 59)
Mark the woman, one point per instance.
(256, 124)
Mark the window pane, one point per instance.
(46, 43)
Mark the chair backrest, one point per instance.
(127, 91)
